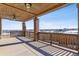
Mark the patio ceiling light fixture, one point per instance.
(14, 16)
(28, 5)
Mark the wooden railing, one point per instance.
(30, 34)
(65, 40)
(20, 33)
(16, 33)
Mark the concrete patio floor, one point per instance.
(14, 47)
(22, 46)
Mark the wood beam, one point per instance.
(24, 28)
(36, 28)
(18, 8)
(78, 27)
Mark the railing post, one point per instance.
(36, 28)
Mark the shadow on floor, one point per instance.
(34, 47)
(11, 44)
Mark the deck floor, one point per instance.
(22, 46)
(14, 47)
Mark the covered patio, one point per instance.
(35, 43)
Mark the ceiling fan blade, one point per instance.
(6, 17)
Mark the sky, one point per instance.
(11, 25)
(62, 18)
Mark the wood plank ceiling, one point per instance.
(22, 13)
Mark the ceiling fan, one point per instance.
(30, 6)
(14, 16)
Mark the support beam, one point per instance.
(24, 29)
(36, 28)
(0, 26)
(78, 27)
